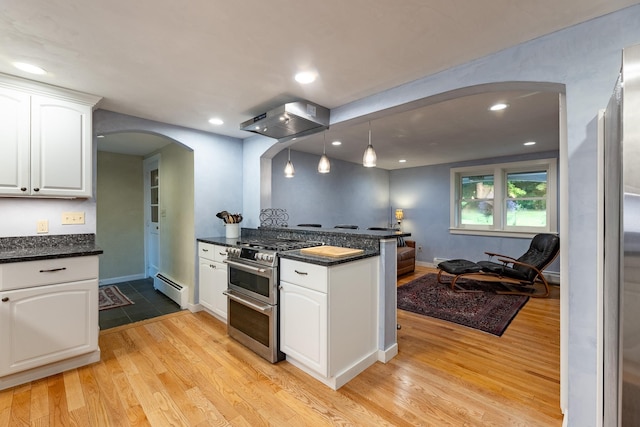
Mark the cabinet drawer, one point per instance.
(310, 276)
(212, 252)
(19, 275)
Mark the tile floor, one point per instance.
(148, 303)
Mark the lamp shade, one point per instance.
(399, 214)
(369, 159)
(324, 166)
(289, 171)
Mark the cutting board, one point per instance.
(331, 251)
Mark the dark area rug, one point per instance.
(486, 311)
(111, 297)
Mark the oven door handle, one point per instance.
(261, 308)
(244, 266)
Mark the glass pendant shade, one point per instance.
(369, 159)
(289, 171)
(324, 165)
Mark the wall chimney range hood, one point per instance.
(289, 121)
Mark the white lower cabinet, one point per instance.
(328, 318)
(212, 280)
(303, 331)
(46, 324)
(48, 317)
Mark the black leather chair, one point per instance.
(517, 275)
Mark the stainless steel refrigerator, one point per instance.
(621, 283)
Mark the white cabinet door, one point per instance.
(14, 142)
(61, 148)
(303, 326)
(219, 286)
(212, 282)
(205, 282)
(45, 324)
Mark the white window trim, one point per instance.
(499, 172)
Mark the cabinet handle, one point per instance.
(53, 270)
(36, 189)
(302, 273)
(222, 253)
(5, 299)
(23, 189)
(205, 250)
(212, 266)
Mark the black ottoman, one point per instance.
(457, 267)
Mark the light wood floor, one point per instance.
(182, 369)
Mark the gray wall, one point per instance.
(120, 215)
(349, 194)
(217, 183)
(424, 193)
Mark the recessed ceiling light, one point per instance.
(29, 68)
(306, 77)
(100, 136)
(336, 143)
(530, 143)
(498, 107)
(402, 161)
(216, 121)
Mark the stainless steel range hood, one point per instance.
(289, 121)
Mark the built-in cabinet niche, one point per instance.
(46, 135)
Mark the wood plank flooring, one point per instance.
(182, 370)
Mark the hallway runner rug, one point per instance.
(486, 311)
(111, 297)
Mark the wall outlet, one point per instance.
(42, 226)
(419, 248)
(72, 218)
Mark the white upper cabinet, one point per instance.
(46, 143)
(15, 111)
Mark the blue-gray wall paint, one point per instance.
(217, 166)
(585, 58)
(349, 194)
(424, 193)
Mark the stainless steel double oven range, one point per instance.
(253, 317)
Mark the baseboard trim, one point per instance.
(34, 374)
(386, 355)
(121, 279)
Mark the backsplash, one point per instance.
(25, 242)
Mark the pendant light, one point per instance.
(324, 166)
(289, 171)
(369, 159)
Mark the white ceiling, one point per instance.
(185, 62)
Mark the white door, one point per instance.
(152, 214)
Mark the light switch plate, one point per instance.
(72, 218)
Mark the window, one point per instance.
(509, 198)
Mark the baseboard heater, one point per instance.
(172, 289)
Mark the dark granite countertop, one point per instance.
(296, 254)
(34, 248)
(326, 261)
(219, 240)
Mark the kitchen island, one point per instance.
(381, 242)
(357, 290)
(49, 306)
